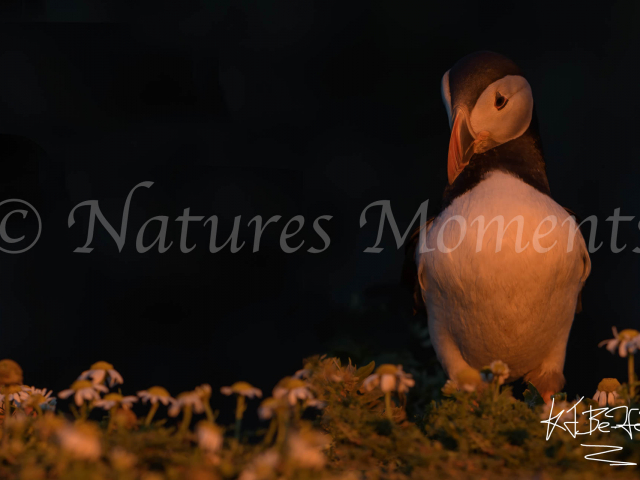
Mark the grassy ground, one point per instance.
(333, 421)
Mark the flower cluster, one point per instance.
(625, 342)
(291, 443)
(324, 422)
(16, 396)
(470, 379)
(607, 392)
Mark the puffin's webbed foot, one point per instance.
(547, 382)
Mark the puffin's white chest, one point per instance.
(512, 304)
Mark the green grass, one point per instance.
(485, 433)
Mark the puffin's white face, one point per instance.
(502, 113)
(504, 109)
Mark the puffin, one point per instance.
(500, 269)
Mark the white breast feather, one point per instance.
(502, 305)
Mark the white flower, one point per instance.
(389, 378)
(302, 373)
(155, 395)
(333, 372)
(607, 392)
(496, 370)
(15, 394)
(81, 441)
(209, 436)
(204, 391)
(186, 399)
(306, 448)
(39, 396)
(468, 379)
(293, 390)
(627, 341)
(37, 391)
(268, 407)
(315, 403)
(242, 388)
(450, 387)
(99, 371)
(112, 400)
(605, 398)
(261, 467)
(83, 390)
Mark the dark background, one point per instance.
(280, 108)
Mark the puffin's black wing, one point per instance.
(410, 270)
(578, 221)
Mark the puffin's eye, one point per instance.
(501, 101)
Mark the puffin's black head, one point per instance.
(490, 109)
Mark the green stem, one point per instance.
(209, 412)
(83, 411)
(387, 405)
(7, 402)
(631, 377)
(238, 428)
(152, 412)
(112, 418)
(186, 419)
(268, 438)
(282, 429)
(240, 408)
(74, 410)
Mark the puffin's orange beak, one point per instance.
(460, 145)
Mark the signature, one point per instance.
(596, 423)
